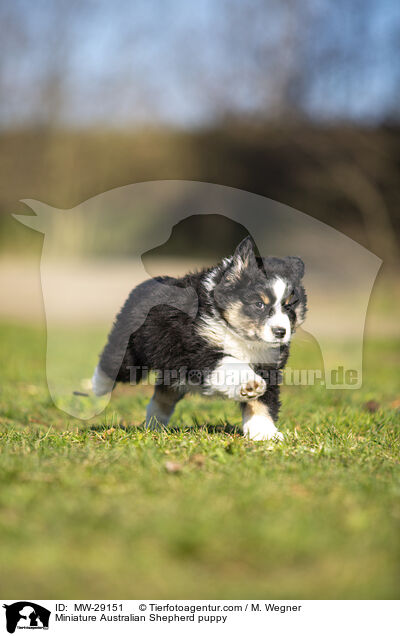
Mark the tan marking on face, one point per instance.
(289, 299)
(255, 408)
(265, 299)
(235, 317)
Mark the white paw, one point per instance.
(235, 380)
(260, 428)
(252, 389)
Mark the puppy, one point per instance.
(233, 341)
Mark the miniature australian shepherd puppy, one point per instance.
(232, 341)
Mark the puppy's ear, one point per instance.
(296, 266)
(243, 258)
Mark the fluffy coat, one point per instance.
(223, 331)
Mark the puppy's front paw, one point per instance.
(260, 429)
(253, 388)
(262, 436)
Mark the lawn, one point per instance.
(104, 509)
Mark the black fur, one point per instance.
(167, 338)
(150, 333)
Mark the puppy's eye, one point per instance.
(259, 304)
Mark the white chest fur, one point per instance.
(232, 344)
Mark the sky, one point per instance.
(94, 62)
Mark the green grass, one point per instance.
(89, 509)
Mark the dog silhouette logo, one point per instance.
(337, 270)
(26, 615)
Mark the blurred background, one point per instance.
(296, 101)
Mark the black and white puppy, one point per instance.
(233, 345)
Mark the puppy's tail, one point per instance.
(101, 383)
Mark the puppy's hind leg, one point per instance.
(161, 407)
(101, 382)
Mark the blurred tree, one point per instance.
(240, 71)
(81, 62)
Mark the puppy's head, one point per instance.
(261, 298)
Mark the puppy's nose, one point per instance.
(279, 332)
